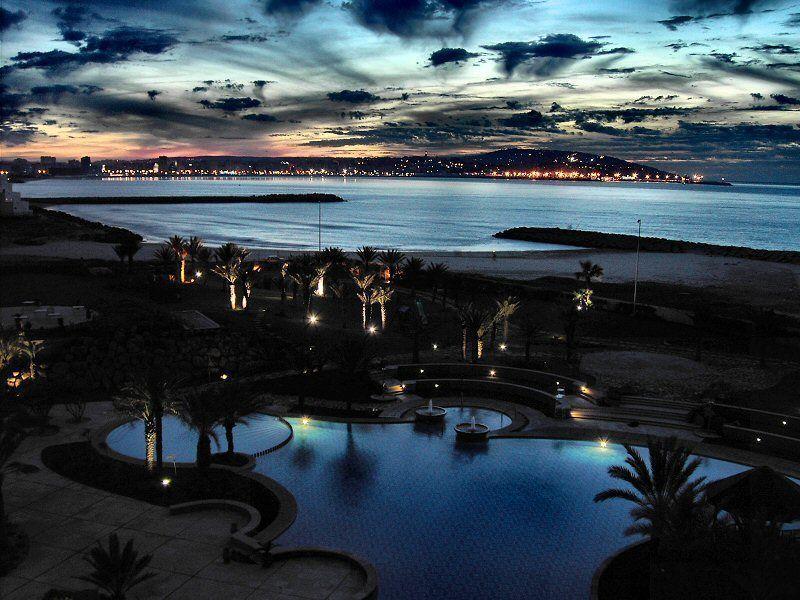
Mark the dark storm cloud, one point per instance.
(9, 18)
(741, 135)
(10, 103)
(450, 55)
(596, 127)
(18, 135)
(353, 97)
(52, 94)
(793, 20)
(627, 115)
(757, 96)
(289, 8)
(550, 53)
(784, 99)
(153, 93)
(231, 104)
(720, 7)
(69, 17)
(115, 45)
(751, 71)
(532, 119)
(199, 88)
(674, 22)
(416, 135)
(617, 71)
(262, 118)
(409, 18)
(775, 49)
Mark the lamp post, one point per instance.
(636, 276)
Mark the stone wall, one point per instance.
(106, 361)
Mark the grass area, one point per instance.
(79, 462)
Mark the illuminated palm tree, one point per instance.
(306, 273)
(30, 350)
(583, 299)
(180, 248)
(381, 296)
(505, 309)
(475, 320)
(148, 397)
(392, 261)
(194, 250)
(365, 293)
(231, 267)
(589, 271)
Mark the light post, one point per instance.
(636, 276)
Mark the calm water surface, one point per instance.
(444, 214)
(514, 519)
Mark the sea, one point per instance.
(437, 213)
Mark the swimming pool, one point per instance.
(261, 433)
(512, 518)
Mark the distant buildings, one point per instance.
(11, 204)
(86, 164)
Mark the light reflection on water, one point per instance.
(441, 520)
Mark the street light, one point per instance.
(313, 319)
(372, 329)
(636, 276)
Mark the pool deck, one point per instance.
(64, 519)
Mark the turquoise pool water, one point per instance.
(513, 518)
(260, 433)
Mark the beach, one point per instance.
(758, 282)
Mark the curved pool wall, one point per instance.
(261, 434)
(513, 518)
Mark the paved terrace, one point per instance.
(64, 519)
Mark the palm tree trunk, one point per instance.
(383, 315)
(505, 330)
(183, 270)
(232, 292)
(464, 344)
(150, 445)
(229, 436)
(203, 451)
(364, 315)
(433, 297)
(159, 441)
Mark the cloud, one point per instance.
(674, 22)
(289, 8)
(417, 18)
(231, 104)
(784, 99)
(52, 94)
(115, 45)
(18, 135)
(617, 71)
(450, 55)
(199, 88)
(551, 52)
(720, 7)
(775, 49)
(9, 18)
(596, 127)
(68, 18)
(532, 119)
(153, 93)
(260, 118)
(353, 97)
(757, 95)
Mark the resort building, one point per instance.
(12, 204)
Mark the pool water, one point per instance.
(511, 519)
(260, 433)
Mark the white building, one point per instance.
(11, 204)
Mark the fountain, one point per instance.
(472, 431)
(430, 413)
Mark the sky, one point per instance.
(708, 86)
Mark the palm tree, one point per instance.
(353, 356)
(148, 397)
(589, 271)
(475, 320)
(11, 435)
(339, 289)
(436, 273)
(306, 273)
(381, 296)
(165, 257)
(365, 293)
(117, 571)
(583, 299)
(201, 412)
(30, 350)
(663, 488)
(131, 246)
(232, 268)
(392, 261)
(569, 317)
(367, 255)
(530, 325)
(235, 407)
(412, 274)
(181, 250)
(505, 309)
(194, 251)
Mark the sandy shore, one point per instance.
(759, 282)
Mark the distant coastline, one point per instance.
(618, 241)
(255, 199)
